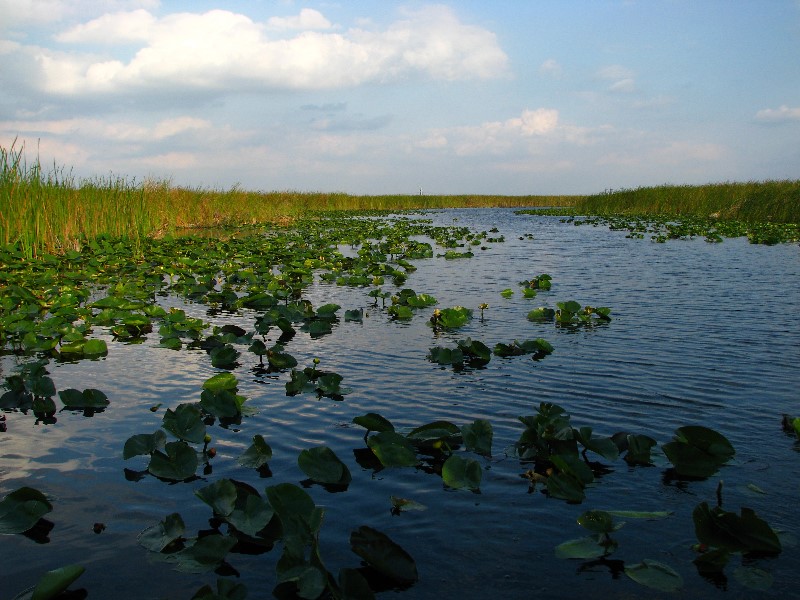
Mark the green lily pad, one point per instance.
(698, 451)
(177, 463)
(205, 554)
(383, 555)
(157, 537)
(300, 518)
(220, 496)
(458, 472)
(404, 504)
(655, 575)
(598, 521)
(583, 548)
(88, 398)
(373, 422)
(52, 583)
(478, 436)
(21, 509)
(185, 423)
(224, 404)
(95, 347)
(745, 532)
(220, 382)
(323, 466)
(257, 455)
(143, 443)
(393, 449)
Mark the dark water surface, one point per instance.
(701, 334)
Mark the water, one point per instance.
(701, 334)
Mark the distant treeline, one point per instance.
(52, 211)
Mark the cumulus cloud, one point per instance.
(220, 51)
(621, 78)
(308, 19)
(778, 115)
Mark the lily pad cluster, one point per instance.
(475, 353)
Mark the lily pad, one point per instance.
(656, 575)
(384, 555)
(257, 455)
(458, 472)
(143, 443)
(478, 436)
(157, 537)
(177, 463)
(745, 532)
(373, 422)
(698, 451)
(582, 548)
(323, 466)
(185, 423)
(88, 398)
(393, 449)
(53, 583)
(21, 509)
(205, 554)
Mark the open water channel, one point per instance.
(701, 334)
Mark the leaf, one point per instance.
(393, 449)
(598, 521)
(458, 472)
(206, 554)
(88, 398)
(403, 504)
(224, 356)
(582, 548)
(95, 347)
(251, 513)
(226, 590)
(655, 575)
(257, 454)
(56, 581)
(224, 404)
(157, 537)
(478, 436)
(220, 496)
(185, 423)
(299, 516)
(566, 487)
(21, 509)
(323, 466)
(178, 463)
(383, 555)
(698, 451)
(736, 533)
(309, 580)
(373, 422)
(143, 443)
(633, 514)
(221, 381)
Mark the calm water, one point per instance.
(702, 334)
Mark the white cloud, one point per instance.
(112, 28)
(779, 115)
(551, 67)
(308, 19)
(614, 72)
(222, 51)
(625, 86)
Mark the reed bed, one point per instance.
(51, 212)
(754, 201)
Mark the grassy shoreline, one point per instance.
(52, 212)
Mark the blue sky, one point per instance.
(382, 97)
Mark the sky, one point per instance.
(382, 97)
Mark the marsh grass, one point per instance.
(51, 211)
(767, 201)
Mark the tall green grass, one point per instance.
(52, 211)
(767, 201)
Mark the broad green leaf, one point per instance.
(300, 518)
(224, 403)
(373, 422)
(634, 514)
(383, 555)
(95, 347)
(21, 509)
(88, 398)
(598, 521)
(157, 537)
(393, 449)
(478, 436)
(224, 356)
(143, 443)
(220, 496)
(582, 548)
(221, 381)
(226, 590)
(458, 472)
(737, 533)
(436, 430)
(206, 554)
(178, 462)
(257, 455)
(566, 487)
(655, 575)
(323, 466)
(251, 512)
(698, 451)
(56, 581)
(185, 423)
